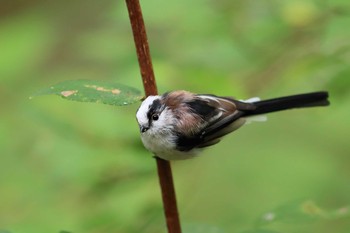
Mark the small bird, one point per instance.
(178, 124)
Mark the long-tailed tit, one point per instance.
(178, 124)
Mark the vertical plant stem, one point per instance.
(168, 195)
(149, 84)
(142, 48)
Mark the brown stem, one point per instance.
(168, 195)
(142, 48)
(149, 84)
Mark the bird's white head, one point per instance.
(152, 116)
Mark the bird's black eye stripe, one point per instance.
(154, 110)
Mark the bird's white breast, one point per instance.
(163, 146)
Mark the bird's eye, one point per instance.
(155, 117)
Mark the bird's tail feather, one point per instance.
(295, 101)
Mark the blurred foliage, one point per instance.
(82, 167)
(260, 231)
(300, 212)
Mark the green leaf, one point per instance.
(94, 91)
(298, 212)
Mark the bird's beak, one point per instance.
(143, 128)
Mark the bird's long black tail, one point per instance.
(288, 102)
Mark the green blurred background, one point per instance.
(82, 168)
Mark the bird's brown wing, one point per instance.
(220, 116)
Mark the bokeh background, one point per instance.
(81, 167)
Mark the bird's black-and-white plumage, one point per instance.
(177, 124)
